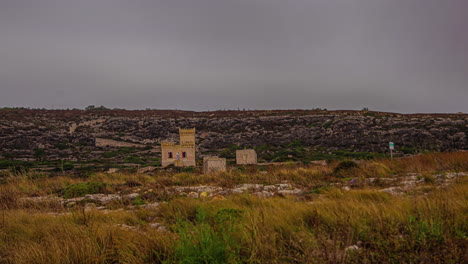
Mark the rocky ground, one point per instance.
(409, 184)
(71, 134)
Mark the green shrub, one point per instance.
(119, 152)
(230, 152)
(82, 189)
(205, 243)
(18, 164)
(134, 159)
(187, 169)
(327, 124)
(110, 154)
(345, 165)
(138, 201)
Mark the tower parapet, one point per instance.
(182, 154)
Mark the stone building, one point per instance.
(214, 164)
(182, 154)
(246, 156)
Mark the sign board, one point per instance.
(391, 145)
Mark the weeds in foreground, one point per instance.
(246, 229)
(336, 226)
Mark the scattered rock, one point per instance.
(145, 170)
(246, 187)
(218, 197)
(124, 226)
(90, 206)
(264, 194)
(393, 190)
(319, 162)
(101, 198)
(352, 248)
(192, 195)
(159, 227)
(112, 170)
(132, 196)
(151, 205)
(290, 192)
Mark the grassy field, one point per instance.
(340, 216)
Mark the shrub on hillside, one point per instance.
(82, 189)
(345, 165)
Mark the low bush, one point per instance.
(205, 242)
(139, 201)
(82, 189)
(345, 165)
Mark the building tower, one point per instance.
(181, 155)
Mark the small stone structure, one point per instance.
(214, 164)
(181, 155)
(246, 156)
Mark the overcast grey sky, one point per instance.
(389, 55)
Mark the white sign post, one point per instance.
(391, 145)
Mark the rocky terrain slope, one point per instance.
(71, 134)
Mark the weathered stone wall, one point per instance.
(246, 156)
(214, 164)
(177, 155)
(187, 136)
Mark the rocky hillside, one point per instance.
(296, 134)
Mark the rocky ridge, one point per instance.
(71, 135)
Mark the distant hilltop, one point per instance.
(135, 136)
(21, 112)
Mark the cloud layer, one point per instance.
(390, 55)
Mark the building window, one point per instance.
(184, 154)
(170, 155)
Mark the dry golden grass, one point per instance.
(418, 228)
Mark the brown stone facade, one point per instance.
(181, 155)
(246, 156)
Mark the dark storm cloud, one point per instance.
(391, 55)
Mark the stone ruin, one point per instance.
(246, 156)
(214, 164)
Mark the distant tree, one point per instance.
(365, 109)
(94, 108)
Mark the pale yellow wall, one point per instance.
(187, 144)
(246, 156)
(187, 136)
(187, 161)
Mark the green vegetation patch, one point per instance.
(345, 165)
(208, 241)
(82, 189)
(119, 152)
(134, 159)
(18, 164)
